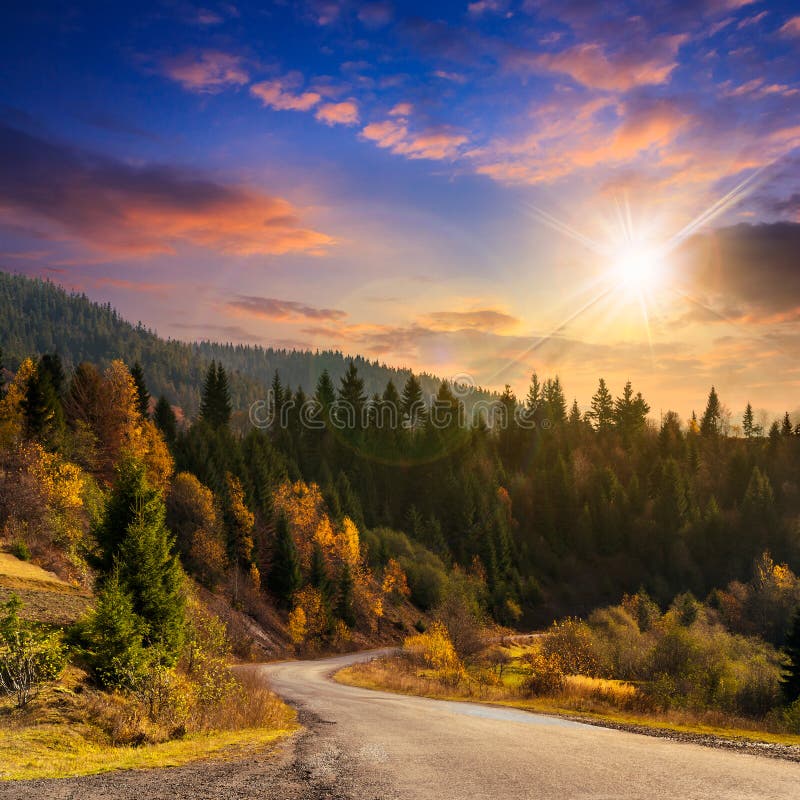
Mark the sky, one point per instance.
(475, 189)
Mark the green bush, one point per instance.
(20, 550)
(29, 657)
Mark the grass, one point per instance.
(72, 730)
(45, 597)
(53, 751)
(592, 700)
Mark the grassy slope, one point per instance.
(393, 676)
(45, 597)
(56, 737)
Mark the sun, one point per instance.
(637, 265)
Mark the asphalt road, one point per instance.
(378, 745)
(364, 745)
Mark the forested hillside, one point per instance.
(39, 317)
(552, 510)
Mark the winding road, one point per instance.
(371, 745)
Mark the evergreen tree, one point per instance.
(165, 420)
(575, 417)
(42, 410)
(2, 376)
(150, 572)
(142, 395)
(710, 423)
(790, 680)
(412, 403)
(602, 408)
(215, 405)
(630, 412)
(345, 606)
(285, 577)
(278, 398)
(114, 637)
(50, 364)
(555, 402)
(534, 398)
(318, 572)
(786, 426)
(748, 427)
(352, 399)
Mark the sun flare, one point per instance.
(637, 265)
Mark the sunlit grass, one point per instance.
(57, 751)
(584, 698)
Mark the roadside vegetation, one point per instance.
(686, 668)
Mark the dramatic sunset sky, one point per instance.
(588, 188)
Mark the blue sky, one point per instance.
(436, 185)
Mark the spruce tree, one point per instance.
(142, 395)
(352, 399)
(748, 427)
(345, 606)
(412, 403)
(602, 408)
(710, 422)
(318, 573)
(165, 420)
(786, 425)
(50, 364)
(215, 404)
(285, 577)
(42, 410)
(790, 679)
(554, 400)
(114, 637)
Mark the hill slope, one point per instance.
(38, 316)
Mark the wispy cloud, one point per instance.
(279, 94)
(274, 309)
(209, 71)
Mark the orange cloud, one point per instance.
(394, 135)
(591, 65)
(487, 319)
(791, 27)
(274, 309)
(344, 113)
(208, 72)
(274, 94)
(140, 210)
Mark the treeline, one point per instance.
(39, 317)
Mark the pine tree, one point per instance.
(554, 401)
(165, 420)
(149, 570)
(630, 412)
(575, 417)
(50, 364)
(790, 679)
(114, 637)
(318, 572)
(748, 427)
(345, 606)
(42, 410)
(278, 399)
(602, 408)
(215, 404)
(351, 399)
(412, 403)
(142, 395)
(285, 577)
(786, 426)
(710, 423)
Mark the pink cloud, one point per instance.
(275, 94)
(344, 113)
(394, 135)
(274, 309)
(591, 65)
(208, 72)
(791, 27)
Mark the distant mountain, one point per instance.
(39, 316)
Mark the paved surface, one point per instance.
(379, 746)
